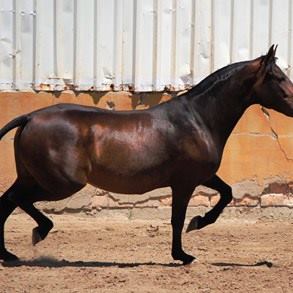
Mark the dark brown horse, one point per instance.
(179, 143)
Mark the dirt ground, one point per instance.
(86, 254)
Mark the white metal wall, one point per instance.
(143, 44)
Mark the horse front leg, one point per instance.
(210, 217)
(180, 199)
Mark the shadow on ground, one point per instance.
(257, 264)
(55, 263)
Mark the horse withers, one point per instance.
(179, 143)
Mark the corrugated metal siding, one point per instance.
(143, 45)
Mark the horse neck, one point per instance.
(222, 106)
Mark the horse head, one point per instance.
(273, 89)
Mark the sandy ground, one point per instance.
(86, 254)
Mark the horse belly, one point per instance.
(138, 183)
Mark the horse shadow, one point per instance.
(49, 262)
(55, 263)
(257, 264)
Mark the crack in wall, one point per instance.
(275, 134)
(252, 133)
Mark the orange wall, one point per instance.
(260, 148)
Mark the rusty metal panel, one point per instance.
(141, 45)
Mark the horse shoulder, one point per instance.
(200, 148)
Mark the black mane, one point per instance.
(219, 75)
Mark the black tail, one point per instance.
(19, 121)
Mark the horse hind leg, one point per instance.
(25, 201)
(6, 208)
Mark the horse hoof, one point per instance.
(8, 257)
(194, 224)
(188, 260)
(185, 258)
(36, 237)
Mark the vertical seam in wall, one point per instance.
(134, 55)
(118, 47)
(270, 22)
(95, 46)
(192, 40)
(155, 44)
(14, 47)
(115, 34)
(290, 37)
(74, 75)
(251, 47)
(231, 30)
(55, 61)
(124, 86)
(212, 37)
(121, 40)
(174, 49)
(34, 53)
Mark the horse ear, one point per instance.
(275, 50)
(269, 58)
